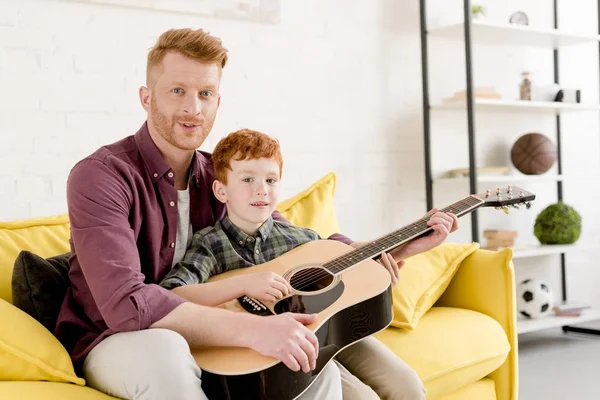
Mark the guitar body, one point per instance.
(350, 306)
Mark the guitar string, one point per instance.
(340, 263)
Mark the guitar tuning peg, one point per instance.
(516, 206)
(509, 189)
(487, 193)
(505, 208)
(528, 205)
(498, 191)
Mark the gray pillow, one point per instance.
(39, 285)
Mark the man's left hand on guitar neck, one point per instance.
(442, 223)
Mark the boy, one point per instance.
(248, 168)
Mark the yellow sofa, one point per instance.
(458, 332)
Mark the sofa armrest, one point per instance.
(485, 283)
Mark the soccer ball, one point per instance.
(534, 298)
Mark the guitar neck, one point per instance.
(397, 238)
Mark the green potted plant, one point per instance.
(558, 224)
(477, 11)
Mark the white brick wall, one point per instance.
(69, 74)
(337, 82)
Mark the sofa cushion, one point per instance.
(450, 349)
(49, 391)
(39, 286)
(423, 279)
(483, 389)
(314, 207)
(29, 352)
(46, 237)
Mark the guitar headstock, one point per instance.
(510, 196)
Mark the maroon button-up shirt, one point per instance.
(123, 231)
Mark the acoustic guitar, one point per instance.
(348, 290)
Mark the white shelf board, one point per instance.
(542, 107)
(509, 179)
(533, 325)
(507, 34)
(541, 250)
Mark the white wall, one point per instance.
(328, 81)
(337, 82)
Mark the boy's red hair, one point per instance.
(244, 144)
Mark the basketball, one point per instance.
(533, 154)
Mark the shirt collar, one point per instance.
(240, 237)
(155, 163)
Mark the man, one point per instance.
(129, 206)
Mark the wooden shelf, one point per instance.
(511, 35)
(541, 250)
(509, 179)
(542, 107)
(533, 325)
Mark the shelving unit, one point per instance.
(533, 325)
(495, 34)
(543, 107)
(504, 178)
(513, 35)
(542, 250)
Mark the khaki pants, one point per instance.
(156, 364)
(371, 371)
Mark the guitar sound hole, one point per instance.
(311, 280)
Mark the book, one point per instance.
(569, 309)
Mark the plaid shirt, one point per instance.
(225, 247)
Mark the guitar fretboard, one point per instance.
(397, 238)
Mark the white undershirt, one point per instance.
(184, 227)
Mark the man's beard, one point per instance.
(165, 127)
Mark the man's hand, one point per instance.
(442, 223)
(286, 338)
(265, 286)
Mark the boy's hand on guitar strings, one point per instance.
(392, 266)
(266, 286)
(285, 338)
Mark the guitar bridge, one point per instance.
(254, 306)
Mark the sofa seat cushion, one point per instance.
(46, 237)
(450, 348)
(483, 389)
(49, 391)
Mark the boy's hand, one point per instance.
(265, 286)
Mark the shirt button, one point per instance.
(155, 175)
(257, 251)
(172, 204)
(172, 245)
(249, 239)
(170, 174)
(241, 242)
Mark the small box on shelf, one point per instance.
(499, 239)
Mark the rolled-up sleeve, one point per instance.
(99, 201)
